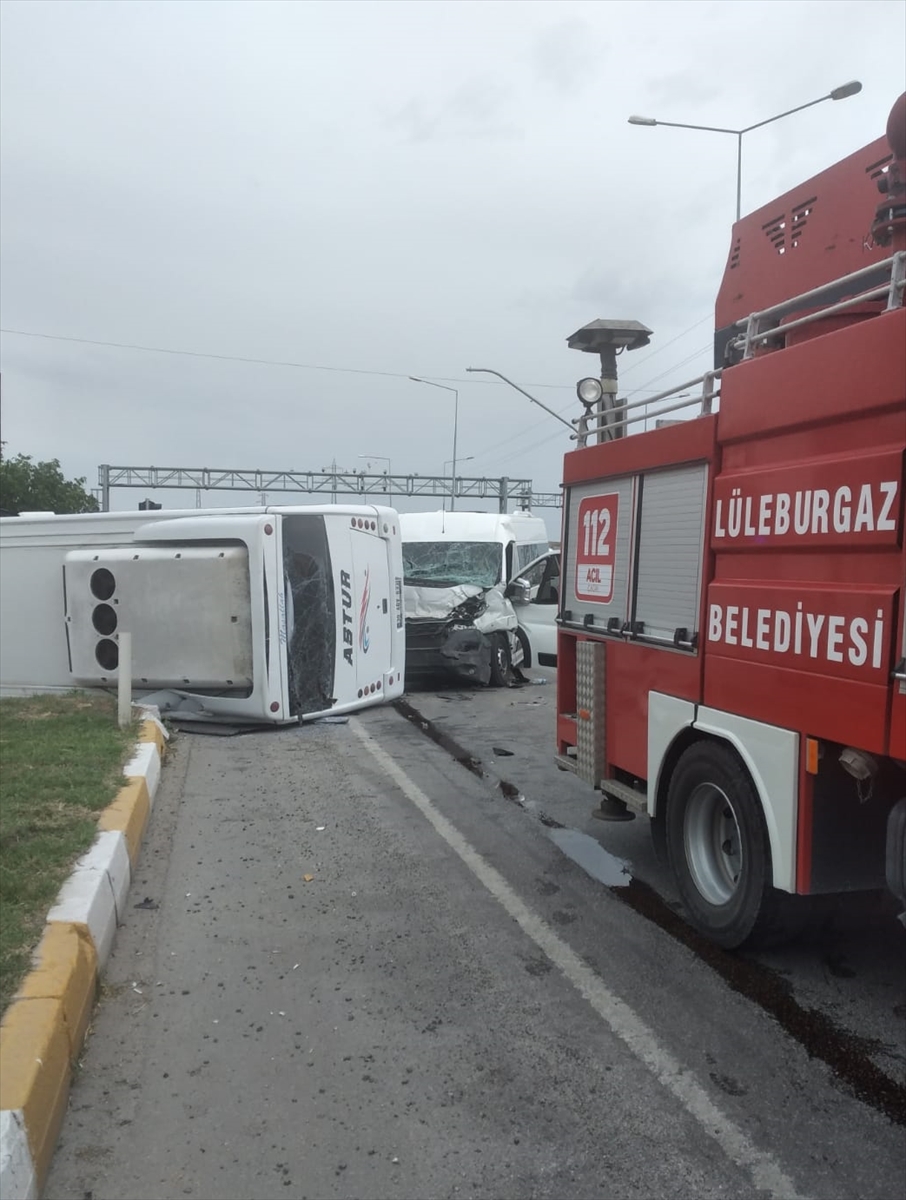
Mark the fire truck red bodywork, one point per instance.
(633, 669)
(800, 623)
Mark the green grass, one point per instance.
(61, 760)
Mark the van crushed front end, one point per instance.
(451, 631)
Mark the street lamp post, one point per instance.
(488, 371)
(455, 391)
(522, 390)
(447, 462)
(382, 458)
(839, 93)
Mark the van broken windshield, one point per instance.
(445, 564)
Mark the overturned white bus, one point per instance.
(272, 614)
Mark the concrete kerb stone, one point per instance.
(16, 1168)
(43, 1029)
(94, 895)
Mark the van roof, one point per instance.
(472, 526)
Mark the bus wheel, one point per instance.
(502, 673)
(717, 846)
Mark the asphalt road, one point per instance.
(849, 961)
(364, 970)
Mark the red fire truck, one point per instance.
(732, 626)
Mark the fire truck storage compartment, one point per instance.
(188, 609)
(669, 568)
(634, 554)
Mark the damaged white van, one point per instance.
(456, 568)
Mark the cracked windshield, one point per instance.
(444, 564)
(310, 613)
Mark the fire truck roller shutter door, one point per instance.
(671, 536)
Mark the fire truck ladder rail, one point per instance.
(760, 327)
(599, 422)
(888, 279)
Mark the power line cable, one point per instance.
(641, 361)
(383, 374)
(273, 362)
(267, 362)
(674, 367)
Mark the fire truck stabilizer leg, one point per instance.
(611, 809)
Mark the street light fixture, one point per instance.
(382, 458)
(839, 93)
(455, 391)
(488, 371)
(447, 462)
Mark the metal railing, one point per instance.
(887, 279)
(760, 328)
(593, 423)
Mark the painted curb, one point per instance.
(43, 1029)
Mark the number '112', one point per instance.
(597, 528)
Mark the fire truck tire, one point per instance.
(502, 673)
(717, 846)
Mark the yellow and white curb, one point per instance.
(42, 1032)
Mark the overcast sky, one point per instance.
(394, 188)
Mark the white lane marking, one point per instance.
(765, 1172)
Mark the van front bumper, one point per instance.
(447, 648)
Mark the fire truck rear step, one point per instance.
(616, 798)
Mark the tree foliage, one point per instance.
(27, 486)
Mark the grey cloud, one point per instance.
(568, 56)
(418, 189)
(414, 120)
(691, 88)
(617, 288)
(473, 110)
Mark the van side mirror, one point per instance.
(519, 591)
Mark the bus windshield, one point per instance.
(310, 614)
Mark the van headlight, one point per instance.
(469, 610)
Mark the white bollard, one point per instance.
(124, 681)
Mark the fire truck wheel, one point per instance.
(717, 845)
(502, 674)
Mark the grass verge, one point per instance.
(61, 760)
